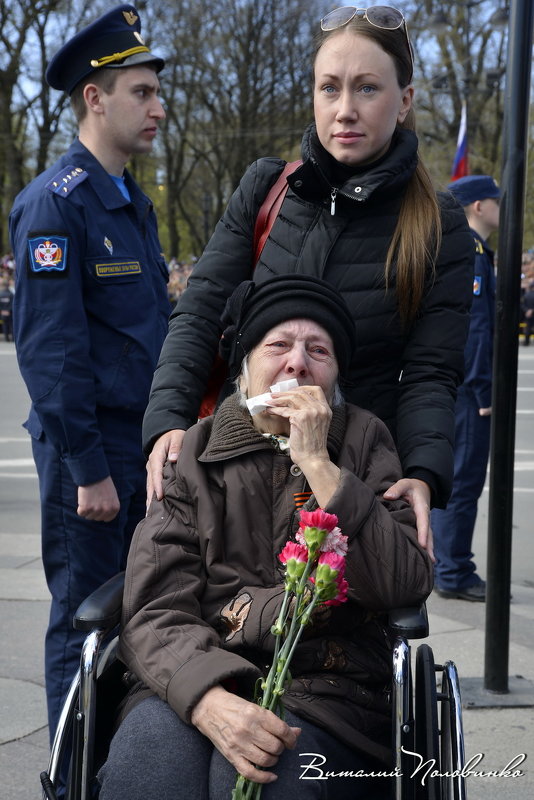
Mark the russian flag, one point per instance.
(460, 167)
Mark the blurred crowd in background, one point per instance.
(7, 290)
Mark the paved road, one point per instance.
(500, 733)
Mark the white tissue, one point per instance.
(261, 401)
(258, 403)
(285, 386)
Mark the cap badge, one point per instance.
(130, 17)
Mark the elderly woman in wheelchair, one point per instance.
(204, 586)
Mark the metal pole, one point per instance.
(501, 487)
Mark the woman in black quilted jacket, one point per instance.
(361, 213)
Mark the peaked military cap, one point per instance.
(474, 187)
(113, 40)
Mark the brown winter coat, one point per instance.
(204, 584)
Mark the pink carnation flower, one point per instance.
(329, 573)
(335, 542)
(342, 589)
(299, 536)
(293, 551)
(335, 561)
(318, 519)
(295, 557)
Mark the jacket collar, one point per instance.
(111, 198)
(233, 433)
(318, 175)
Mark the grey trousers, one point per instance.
(156, 756)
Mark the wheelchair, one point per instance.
(427, 729)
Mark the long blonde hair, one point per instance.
(416, 241)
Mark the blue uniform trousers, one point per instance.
(453, 527)
(79, 554)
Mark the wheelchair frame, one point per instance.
(97, 616)
(428, 737)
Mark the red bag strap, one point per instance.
(270, 208)
(264, 222)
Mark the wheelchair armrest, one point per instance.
(102, 609)
(411, 622)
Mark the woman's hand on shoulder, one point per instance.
(166, 448)
(417, 494)
(247, 736)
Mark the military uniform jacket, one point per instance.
(91, 306)
(408, 378)
(479, 346)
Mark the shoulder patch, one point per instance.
(477, 285)
(66, 180)
(47, 255)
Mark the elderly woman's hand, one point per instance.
(309, 416)
(248, 736)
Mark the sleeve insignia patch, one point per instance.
(477, 285)
(48, 254)
(66, 180)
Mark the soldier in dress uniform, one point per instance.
(455, 571)
(90, 316)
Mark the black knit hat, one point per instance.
(253, 309)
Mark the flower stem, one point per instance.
(279, 685)
(280, 625)
(273, 686)
(280, 666)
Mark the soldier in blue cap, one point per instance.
(455, 571)
(90, 316)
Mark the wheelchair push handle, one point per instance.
(410, 622)
(102, 609)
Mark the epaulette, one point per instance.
(66, 180)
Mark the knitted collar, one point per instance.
(233, 433)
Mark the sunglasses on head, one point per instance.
(385, 17)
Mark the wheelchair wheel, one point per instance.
(452, 740)
(427, 731)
